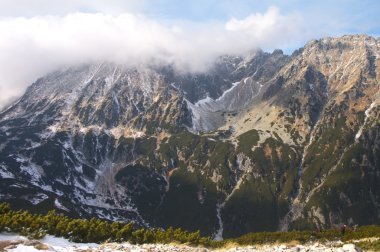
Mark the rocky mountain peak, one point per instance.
(264, 141)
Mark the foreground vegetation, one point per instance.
(95, 230)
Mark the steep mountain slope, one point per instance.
(261, 142)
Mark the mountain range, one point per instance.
(260, 142)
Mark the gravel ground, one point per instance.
(16, 243)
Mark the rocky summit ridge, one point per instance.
(260, 142)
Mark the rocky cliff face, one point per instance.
(262, 142)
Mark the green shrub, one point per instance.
(95, 230)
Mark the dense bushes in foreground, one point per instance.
(94, 230)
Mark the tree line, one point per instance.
(36, 226)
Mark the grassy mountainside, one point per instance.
(263, 142)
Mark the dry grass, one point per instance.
(41, 246)
(292, 243)
(230, 245)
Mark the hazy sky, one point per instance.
(38, 36)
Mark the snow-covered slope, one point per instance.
(244, 144)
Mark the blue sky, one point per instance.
(351, 16)
(364, 12)
(38, 36)
(335, 17)
(327, 18)
(331, 18)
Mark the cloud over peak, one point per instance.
(31, 47)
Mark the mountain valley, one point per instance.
(260, 142)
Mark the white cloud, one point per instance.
(270, 29)
(30, 8)
(31, 47)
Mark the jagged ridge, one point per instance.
(262, 142)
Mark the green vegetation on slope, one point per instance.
(37, 226)
(93, 230)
